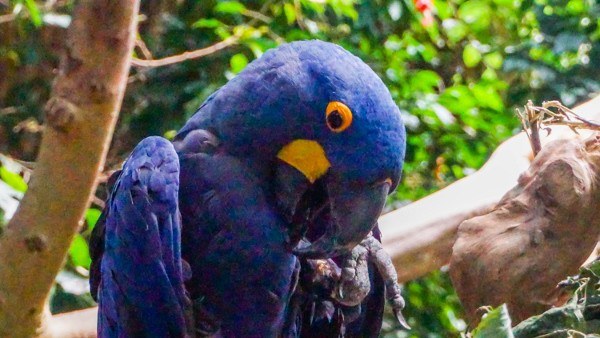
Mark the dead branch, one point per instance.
(533, 118)
(419, 236)
(232, 40)
(80, 118)
(7, 18)
(540, 232)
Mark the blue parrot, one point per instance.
(286, 166)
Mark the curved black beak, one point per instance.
(354, 211)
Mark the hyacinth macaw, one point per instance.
(270, 186)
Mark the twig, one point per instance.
(7, 18)
(143, 48)
(257, 15)
(9, 110)
(98, 201)
(30, 125)
(187, 55)
(531, 125)
(533, 118)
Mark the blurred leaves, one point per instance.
(79, 252)
(91, 217)
(494, 324)
(433, 309)
(579, 317)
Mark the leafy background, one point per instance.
(456, 80)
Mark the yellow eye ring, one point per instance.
(338, 116)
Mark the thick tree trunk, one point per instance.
(80, 118)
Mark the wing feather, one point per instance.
(137, 275)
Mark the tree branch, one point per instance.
(419, 236)
(541, 231)
(7, 18)
(76, 324)
(80, 118)
(232, 40)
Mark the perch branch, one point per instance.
(80, 118)
(420, 235)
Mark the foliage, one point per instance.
(455, 80)
(579, 316)
(432, 309)
(495, 324)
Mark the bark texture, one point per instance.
(540, 232)
(80, 118)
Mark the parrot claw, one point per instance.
(340, 292)
(401, 320)
(312, 313)
(393, 290)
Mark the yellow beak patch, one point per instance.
(307, 156)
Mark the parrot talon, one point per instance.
(400, 317)
(393, 290)
(312, 313)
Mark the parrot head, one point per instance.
(323, 126)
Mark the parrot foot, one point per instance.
(354, 283)
(383, 262)
(347, 283)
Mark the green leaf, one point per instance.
(495, 324)
(208, 23)
(230, 7)
(12, 179)
(458, 99)
(91, 217)
(471, 56)
(79, 252)
(494, 60)
(455, 29)
(290, 13)
(238, 62)
(488, 97)
(476, 14)
(34, 12)
(426, 81)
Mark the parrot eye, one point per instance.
(338, 116)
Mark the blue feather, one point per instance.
(140, 289)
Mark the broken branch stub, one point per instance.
(540, 232)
